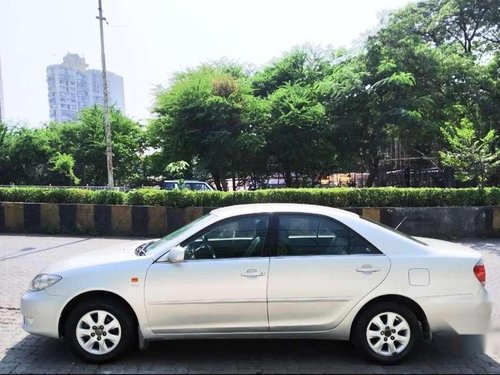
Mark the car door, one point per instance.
(219, 287)
(319, 271)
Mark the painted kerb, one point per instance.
(155, 221)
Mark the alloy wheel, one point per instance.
(98, 332)
(388, 334)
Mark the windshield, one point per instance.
(161, 243)
(394, 231)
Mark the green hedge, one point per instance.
(40, 195)
(336, 197)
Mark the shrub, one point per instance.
(41, 195)
(336, 197)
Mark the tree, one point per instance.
(27, 153)
(177, 169)
(3, 133)
(466, 21)
(4, 157)
(407, 82)
(252, 159)
(84, 140)
(58, 152)
(370, 100)
(300, 140)
(62, 165)
(473, 25)
(204, 116)
(303, 65)
(308, 113)
(474, 158)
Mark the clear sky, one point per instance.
(148, 40)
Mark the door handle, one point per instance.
(367, 269)
(252, 273)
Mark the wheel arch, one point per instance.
(92, 295)
(408, 302)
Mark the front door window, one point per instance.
(241, 237)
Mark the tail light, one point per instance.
(480, 272)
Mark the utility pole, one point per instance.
(107, 125)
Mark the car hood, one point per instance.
(115, 254)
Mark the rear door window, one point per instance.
(304, 235)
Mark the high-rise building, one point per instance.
(73, 87)
(2, 107)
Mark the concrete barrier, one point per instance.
(155, 221)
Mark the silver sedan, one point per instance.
(263, 271)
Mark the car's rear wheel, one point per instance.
(387, 332)
(99, 331)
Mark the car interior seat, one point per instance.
(283, 244)
(339, 245)
(258, 239)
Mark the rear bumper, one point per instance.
(468, 314)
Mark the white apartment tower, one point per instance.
(73, 87)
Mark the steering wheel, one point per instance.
(207, 246)
(201, 250)
(189, 254)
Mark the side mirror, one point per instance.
(176, 255)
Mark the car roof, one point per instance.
(255, 208)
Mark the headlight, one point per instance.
(43, 281)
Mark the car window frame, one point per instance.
(265, 252)
(275, 229)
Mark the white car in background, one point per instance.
(264, 271)
(194, 185)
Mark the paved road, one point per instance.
(21, 257)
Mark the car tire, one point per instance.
(386, 333)
(100, 330)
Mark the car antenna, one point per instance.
(402, 221)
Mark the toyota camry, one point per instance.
(263, 271)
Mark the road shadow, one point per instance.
(33, 250)
(75, 236)
(23, 252)
(445, 354)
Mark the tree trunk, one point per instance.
(373, 170)
(371, 178)
(288, 178)
(217, 180)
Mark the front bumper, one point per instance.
(41, 313)
(462, 314)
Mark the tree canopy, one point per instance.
(72, 152)
(428, 80)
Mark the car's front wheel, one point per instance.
(100, 330)
(386, 332)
